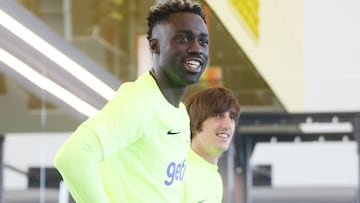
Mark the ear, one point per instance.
(154, 46)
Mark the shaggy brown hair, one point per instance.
(208, 102)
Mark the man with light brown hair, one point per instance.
(214, 113)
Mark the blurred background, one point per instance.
(293, 66)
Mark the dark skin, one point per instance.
(180, 48)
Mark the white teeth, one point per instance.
(193, 63)
(222, 135)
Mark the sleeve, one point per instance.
(77, 161)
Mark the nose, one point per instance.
(195, 48)
(227, 121)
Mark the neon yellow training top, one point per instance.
(134, 150)
(203, 182)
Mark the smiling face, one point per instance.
(180, 47)
(215, 135)
(213, 114)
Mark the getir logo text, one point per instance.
(175, 172)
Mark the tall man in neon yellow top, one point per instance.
(213, 113)
(135, 149)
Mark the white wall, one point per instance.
(332, 55)
(24, 150)
(310, 163)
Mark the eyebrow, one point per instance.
(190, 32)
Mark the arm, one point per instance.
(77, 161)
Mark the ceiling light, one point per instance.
(56, 56)
(46, 84)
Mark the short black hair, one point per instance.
(163, 10)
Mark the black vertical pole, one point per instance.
(356, 125)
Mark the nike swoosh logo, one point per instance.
(170, 132)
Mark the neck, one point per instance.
(213, 159)
(171, 93)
